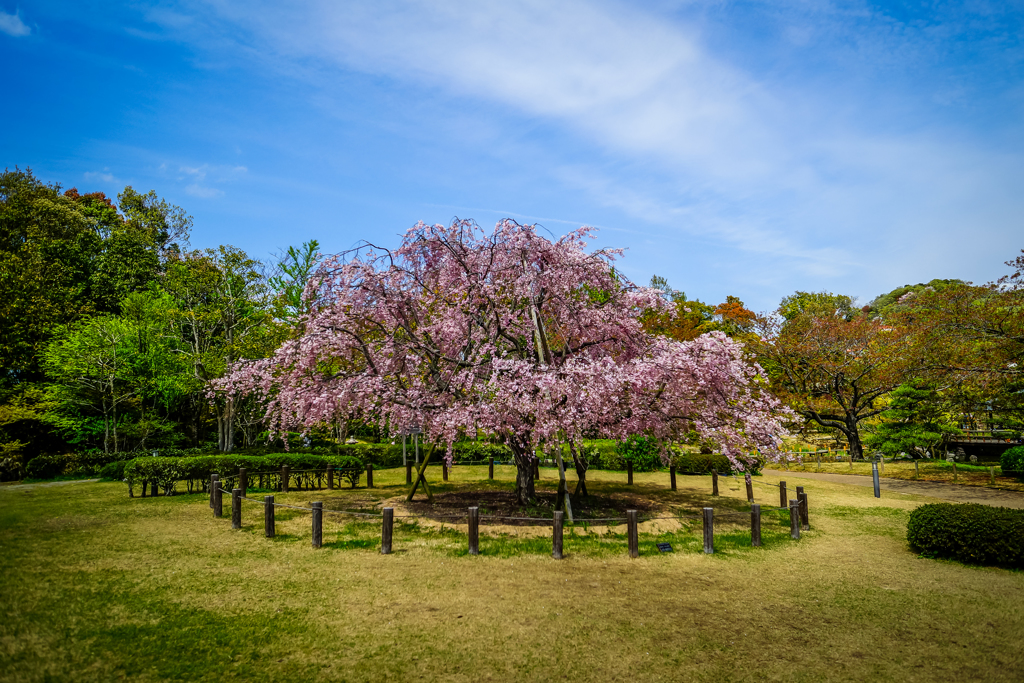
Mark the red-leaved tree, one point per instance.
(529, 339)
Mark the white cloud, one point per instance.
(12, 25)
(203, 192)
(103, 176)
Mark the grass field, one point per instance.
(926, 470)
(97, 587)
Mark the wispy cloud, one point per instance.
(104, 176)
(202, 185)
(12, 25)
(203, 192)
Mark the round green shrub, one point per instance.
(1012, 459)
(644, 452)
(45, 467)
(969, 533)
(113, 471)
(703, 463)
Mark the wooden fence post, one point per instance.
(330, 477)
(992, 476)
(218, 500)
(243, 480)
(444, 470)
(631, 532)
(386, 531)
(755, 525)
(408, 473)
(213, 487)
(672, 476)
(709, 530)
(750, 487)
(802, 497)
(490, 468)
(818, 455)
(369, 475)
(236, 508)
(285, 476)
(268, 516)
(629, 472)
(782, 494)
(474, 531)
(794, 519)
(714, 482)
(556, 535)
(156, 491)
(318, 524)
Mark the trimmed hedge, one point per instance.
(84, 464)
(703, 463)
(1012, 460)
(196, 471)
(969, 533)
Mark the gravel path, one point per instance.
(22, 487)
(934, 489)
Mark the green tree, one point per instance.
(296, 267)
(818, 304)
(916, 422)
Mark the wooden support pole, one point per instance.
(755, 525)
(992, 476)
(794, 519)
(444, 470)
(802, 497)
(629, 472)
(218, 500)
(750, 487)
(490, 468)
(408, 473)
(420, 479)
(213, 488)
(369, 475)
(236, 508)
(386, 531)
(917, 471)
(556, 535)
(156, 491)
(285, 477)
(818, 455)
(954, 474)
(714, 482)
(631, 532)
(709, 530)
(268, 516)
(318, 523)
(672, 476)
(330, 477)
(243, 480)
(782, 494)
(474, 531)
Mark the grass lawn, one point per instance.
(927, 470)
(97, 587)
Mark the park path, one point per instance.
(23, 487)
(934, 489)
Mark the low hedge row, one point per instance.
(84, 464)
(704, 463)
(968, 532)
(307, 469)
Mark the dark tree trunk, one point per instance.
(581, 471)
(522, 453)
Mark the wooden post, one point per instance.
(268, 516)
(218, 500)
(750, 487)
(243, 480)
(386, 530)
(156, 491)
(556, 535)
(818, 455)
(490, 468)
(444, 470)
(330, 477)
(631, 531)
(629, 472)
(474, 531)
(420, 479)
(672, 476)
(213, 487)
(318, 524)
(917, 471)
(802, 497)
(714, 482)
(408, 473)
(992, 476)
(954, 475)
(874, 478)
(285, 476)
(851, 460)
(782, 494)
(709, 530)
(369, 475)
(755, 525)
(794, 519)
(236, 508)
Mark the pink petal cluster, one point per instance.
(508, 332)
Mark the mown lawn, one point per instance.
(98, 586)
(926, 470)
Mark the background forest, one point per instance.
(112, 330)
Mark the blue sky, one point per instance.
(745, 148)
